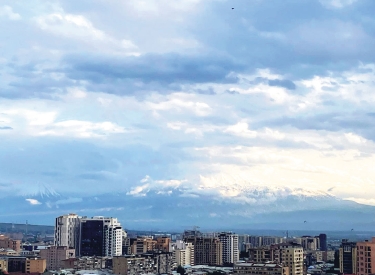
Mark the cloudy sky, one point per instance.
(127, 96)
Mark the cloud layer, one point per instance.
(144, 95)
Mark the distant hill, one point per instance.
(29, 228)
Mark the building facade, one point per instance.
(67, 231)
(256, 269)
(366, 257)
(348, 257)
(291, 255)
(54, 256)
(100, 236)
(8, 243)
(207, 251)
(230, 253)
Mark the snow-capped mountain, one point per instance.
(178, 206)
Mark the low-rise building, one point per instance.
(6, 242)
(260, 268)
(3, 264)
(55, 254)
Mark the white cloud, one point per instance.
(337, 3)
(8, 12)
(33, 201)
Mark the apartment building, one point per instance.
(162, 244)
(100, 236)
(152, 263)
(366, 257)
(3, 264)
(259, 268)
(230, 253)
(291, 255)
(207, 251)
(143, 245)
(8, 243)
(264, 254)
(67, 231)
(54, 256)
(348, 257)
(183, 254)
(26, 265)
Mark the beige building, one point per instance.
(184, 256)
(162, 244)
(366, 257)
(3, 264)
(55, 254)
(207, 251)
(6, 242)
(142, 245)
(264, 254)
(256, 269)
(8, 252)
(291, 255)
(35, 265)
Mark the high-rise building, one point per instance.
(54, 256)
(242, 241)
(366, 257)
(100, 236)
(207, 251)
(255, 241)
(162, 244)
(67, 231)
(230, 252)
(323, 242)
(348, 257)
(292, 256)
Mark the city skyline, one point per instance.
(256, 111)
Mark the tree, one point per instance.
(180, 270)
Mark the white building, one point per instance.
(100, 236)
(183, 253)
(230, 247)
(67, 231)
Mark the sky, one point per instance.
(130, 96)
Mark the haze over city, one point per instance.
(189, 112)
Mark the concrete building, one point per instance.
(67, 231)
(264, 269)
(310, 243)
(255, 241)
(100, 236)
(85, 263)
(242, 241)
(230, 253)
(264, 254)
(184, 255)
(348, 257)
(291, 255)
(142, 245)
(3, 264)
(154, 263)
(269, 240)
(207, 251)
(162, 244)
(26, 265)
(323, 242)
(6, 242)
(366, 257)
(54, 256)
(134, 265)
